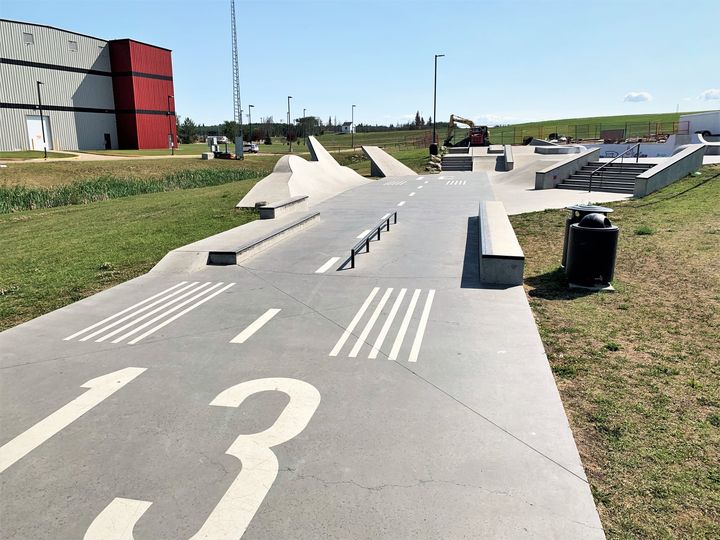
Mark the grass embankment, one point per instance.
(639, 370)
(20, 155)
(635, 125)
(56, 173)
(54, 257)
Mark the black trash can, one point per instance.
(577, 212)
(434, 149)
(591, 251)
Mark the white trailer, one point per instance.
(706, 123)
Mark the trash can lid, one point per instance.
(589, 208)
(595, 221)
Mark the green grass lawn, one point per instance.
(55, 257)
(639, 370)
(55, 173)
(21, 155)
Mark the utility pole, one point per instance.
(42, 122)
(434, 137)
(171, 140)
(237, 104)
(250, 121)
(288, 130)
(352, 127)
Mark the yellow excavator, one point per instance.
(478, 134)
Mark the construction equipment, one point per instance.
(478, 134)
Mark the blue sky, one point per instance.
(506, 61)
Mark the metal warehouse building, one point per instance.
(94, 94)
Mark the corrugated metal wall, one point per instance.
(70, 130)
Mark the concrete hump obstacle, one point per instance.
(383, 164)
(293, 176)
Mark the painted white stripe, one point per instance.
(142, 317)
(420, 187)
(116, 521)
(388, 323)
(426, 181)
(412, 194)
(155, 319)
(371, 322)
(134, 320)
(363, 234)
(448, 183)
(243, 336)
(421, 327)
(325, 267)
(353, 323)
(123, 311)
(420, 177)
(100, 388)
(441, 178)
(404, 326)
(183, 312)
(401, 203)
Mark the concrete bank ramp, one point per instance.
(383, 164)
(293, 176)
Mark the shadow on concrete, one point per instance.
(500, 163)
(471, 269)
(553, 285)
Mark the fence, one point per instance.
(606, 131)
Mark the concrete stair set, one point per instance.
(457, 162)
(615, 177)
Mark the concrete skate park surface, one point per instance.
(284, 398)
(318, 179)
(516, 188)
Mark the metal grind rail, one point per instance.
(365, 242)
(621, 157)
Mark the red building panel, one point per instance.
(143, 86)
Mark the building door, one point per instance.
(35, 132)
(108, 144)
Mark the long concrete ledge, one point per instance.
(552, 150)
(508, 161)
(551, 176)
(502, 260)
(279, 208)
(383, 164)
(255, 245)
(670, 170)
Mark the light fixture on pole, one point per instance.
(42, 122)
(434, 137)
(171, 139)
(288, 124)
(352, 127)
(250, 121)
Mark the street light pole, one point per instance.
(288, 131)
(42, 122)
(171, 139)
(250, 121)
(352, 127)
(434, 137)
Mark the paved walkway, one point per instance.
(285, 398)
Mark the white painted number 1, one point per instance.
(232, 515)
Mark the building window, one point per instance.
(28, 38)
(72, 45)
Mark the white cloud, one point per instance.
(638, 96)
(710, 93)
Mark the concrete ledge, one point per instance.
(383, 164)
(270, 238)
(495, 149)
(670, 170)
(551, 176)
(502, 260)
(548, 150)
(278, 208)
(509, 161)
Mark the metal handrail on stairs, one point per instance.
(621, 158)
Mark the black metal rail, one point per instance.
(365, 242)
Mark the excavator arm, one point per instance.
(454, 120)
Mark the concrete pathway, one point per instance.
(286, 398)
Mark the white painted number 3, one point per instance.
(232, 515)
